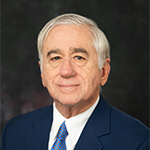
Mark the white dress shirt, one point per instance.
(74, 126)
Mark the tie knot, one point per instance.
(62, 133)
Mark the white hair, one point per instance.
(100, 41)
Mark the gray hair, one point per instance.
(100, 41)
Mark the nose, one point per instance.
(67, 70)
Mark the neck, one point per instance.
(69, 111)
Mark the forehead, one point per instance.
(69, 33)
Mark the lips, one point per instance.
(68, 85)
(68, 88)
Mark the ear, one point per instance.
(105, 72)
(42, 77)
(40, 65)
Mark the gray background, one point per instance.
(125, 23)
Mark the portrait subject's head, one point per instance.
(74, 60)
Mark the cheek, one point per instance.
(92, 79)
(48, 76)
(89, 74)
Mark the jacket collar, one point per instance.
(97, 126)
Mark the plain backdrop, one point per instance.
(126, 26)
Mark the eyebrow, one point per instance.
(79, 50)
(74, 50)
(55, 51)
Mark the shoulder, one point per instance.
(124, 120)
(33, 116)
(123, 130)
(128, 128)
(28, 119)
(120, 120)
(17, 127)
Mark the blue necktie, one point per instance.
(60, 141)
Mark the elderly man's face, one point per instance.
(70, 66)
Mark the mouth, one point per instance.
(68, 87)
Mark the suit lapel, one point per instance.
(97, 126)
(88, 141)
(37, 137)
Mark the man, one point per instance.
(75, 63)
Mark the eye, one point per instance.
(79, 57)
(55, 58)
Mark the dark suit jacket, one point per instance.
(107, 129)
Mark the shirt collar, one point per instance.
(76, 124)
(58, 119)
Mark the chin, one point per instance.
(67, 101)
